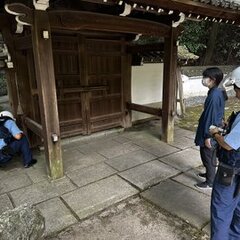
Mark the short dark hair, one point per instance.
(214, 73)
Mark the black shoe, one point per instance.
(203, 185)
(34, 161)
(202, 176)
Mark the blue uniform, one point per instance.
(18, 146)
(225, 205)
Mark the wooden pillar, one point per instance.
(126, 62)
(11, 72)
(43, 60)
(12, 90)
(169, 87)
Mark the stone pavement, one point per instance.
(104, 169)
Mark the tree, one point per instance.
(214, 43)
(195, 37)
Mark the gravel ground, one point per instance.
(194, 101)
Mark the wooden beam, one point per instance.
(169, 87)
(34, 126)
(145, 109)
(103, 22)
(43, 59)
(145, 48)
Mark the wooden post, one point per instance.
(12, 90)
(85, 96)
(126, 61)
(43, 59)
(169, 87)
(11, 72)
(180, 91)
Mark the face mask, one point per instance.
(206, 81)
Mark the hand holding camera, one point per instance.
(214, 129)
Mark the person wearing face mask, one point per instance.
(212, 114)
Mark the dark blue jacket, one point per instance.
(212, 114)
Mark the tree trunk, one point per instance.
(211, 44)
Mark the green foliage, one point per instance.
(226, 48)
(225, 44)
(148, 40)
(195, 36)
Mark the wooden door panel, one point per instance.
(104, 69)
(89, 83)
(68, 84)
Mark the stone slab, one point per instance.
(183, 160)
(207, 229)
(57, 215)
(180, 132)
(11, 180)
(5, 203)
(41, 191)
(121, 139)
(183, 142)
(99, 195)
(190, 178)
(118, 150)
(130, 220)
(179, 200)
(130, 160)
(98, 145)
(148, 174)
(91, 174)
(161, 149)
(86, 161)
(71, 154)
(37, 174)
(66, 145)
(145, 141)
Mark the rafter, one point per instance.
(194, 9)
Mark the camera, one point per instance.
(222, 131)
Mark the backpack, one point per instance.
(4, 132)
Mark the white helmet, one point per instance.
(233, 78)
(7, 114)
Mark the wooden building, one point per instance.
(69, 62)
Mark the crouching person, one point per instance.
(13, 141)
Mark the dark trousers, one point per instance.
(225, 211)
(209, 160)
(19, 146)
